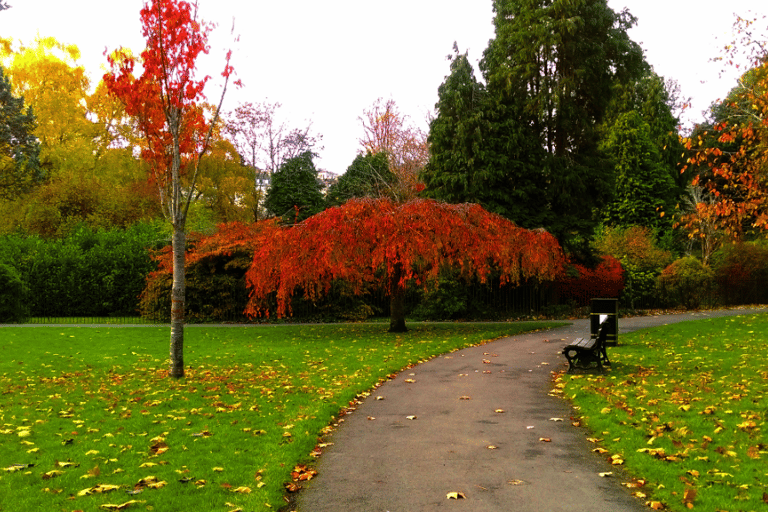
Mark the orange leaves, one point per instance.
(368, 241)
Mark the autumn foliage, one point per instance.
(379, 241)
(732, 156)
(606, 280)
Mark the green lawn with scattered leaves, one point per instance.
(90, 421)
(684, 410)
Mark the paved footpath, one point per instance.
(390, 463)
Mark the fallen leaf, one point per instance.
(606, 474)
(122, 506)
(218, 470)
(491, 447)
(456, 496)
(656, 505)
(601, 451)
(242, 490)
(515, 482)
(545, 439)
(410, 417)
(555, 419)
(291, 487)
(410, 381)
(371, 418)
(465, 397)
(499, 411)
(52, 474)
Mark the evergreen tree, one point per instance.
(367, 176)
(644, 193)
(529, 147)
(294, 192)
(19, 148)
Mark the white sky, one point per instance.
(327, 61)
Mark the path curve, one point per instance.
(390, 463)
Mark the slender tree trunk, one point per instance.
(177, 301)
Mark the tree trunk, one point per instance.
(397, 311)
(177, 301)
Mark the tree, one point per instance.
(56, 86)
(294, 193)
(264, 144)
(19, 148)
(731, 155)
(549, 73)
(367, 176)
(477, 155)
(379, 240)
(386, 130)
(644, 191)
(165, 101)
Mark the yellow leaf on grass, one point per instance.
(242, 490)
(218, 470)
(122, 506)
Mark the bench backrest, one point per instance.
(602, 335)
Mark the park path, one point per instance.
(381, 461)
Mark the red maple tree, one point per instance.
(379, 241)
(165, 102)
(732, 156)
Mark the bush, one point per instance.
(13, 297)
(741, 273)
(637, 249)
(583, 284)
(89, 273)
(686, 282)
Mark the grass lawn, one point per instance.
(684, 410)
(89, 419)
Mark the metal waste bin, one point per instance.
(601, 310)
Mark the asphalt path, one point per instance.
(472, 422)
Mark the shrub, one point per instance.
(641, 257)
(89, 273)
(741, 273)
(215, 274)
(686, 282)
(584, 284)
(13, 296)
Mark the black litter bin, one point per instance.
(605, 309)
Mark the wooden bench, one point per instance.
(583, 352)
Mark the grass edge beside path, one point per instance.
(683, 410)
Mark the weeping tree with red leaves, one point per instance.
(369, 241)
(165, 102)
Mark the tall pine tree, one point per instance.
(550, 73)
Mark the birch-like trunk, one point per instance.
(177, 301)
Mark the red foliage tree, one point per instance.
(606, 280)
(165, 102)
(369, 241)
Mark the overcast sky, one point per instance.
(327, 61)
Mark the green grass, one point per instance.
(89, 407)
(90, 320)
(685, 407)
